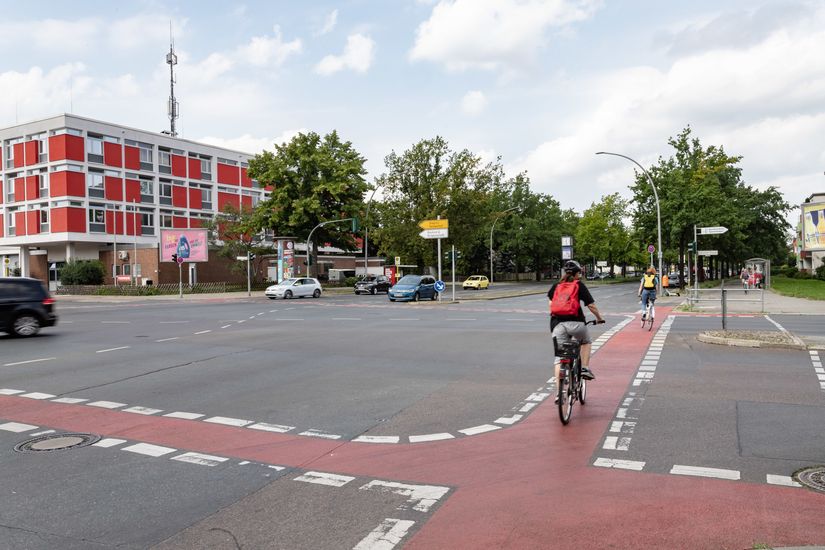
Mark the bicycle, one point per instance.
(649, 313)
(571, 387)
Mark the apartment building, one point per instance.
(77, 188)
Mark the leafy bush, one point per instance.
(820, 272)
(350, 281)
(82, 273)
(789, 271)
(803, 275)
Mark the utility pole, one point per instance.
(173, 107)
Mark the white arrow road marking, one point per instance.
(322, 478)
(384, 537)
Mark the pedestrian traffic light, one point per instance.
(174, 257)
(251, 257)
(692, 247)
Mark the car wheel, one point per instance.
(287, 295)
(26, 325)
(271, 297)
(415, 297)
(434, 296)
(317, 293)
(372, 291)
(392, 299)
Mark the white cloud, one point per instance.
(358, 55)
(492, 34)
(473, 103)
(250, 144)
(329, 23)
(266, 50)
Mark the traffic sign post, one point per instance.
(440, 286)
(714, 230)
(435, 234)
(708, 252)
(436, 229)
(434, 224)
(652, 249)
(718, 230)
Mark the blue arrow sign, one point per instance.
(440, 286)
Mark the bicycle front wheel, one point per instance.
(566, 397)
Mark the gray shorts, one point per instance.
(566, 330)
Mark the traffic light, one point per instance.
(174, 258)
(251, 257)
(692, 247)
(354, 225)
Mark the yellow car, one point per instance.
(477, 282)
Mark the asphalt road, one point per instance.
(264, 391)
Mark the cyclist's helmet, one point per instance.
(572, 267)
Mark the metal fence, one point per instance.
(725, 297)
(156, 290)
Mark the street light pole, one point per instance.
(500, 215)
(313, 231)
(658, 210)
(367, 232)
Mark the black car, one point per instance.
(25, 306)
(373, 284)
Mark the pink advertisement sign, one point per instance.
(189, 244)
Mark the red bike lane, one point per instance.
(527, 486)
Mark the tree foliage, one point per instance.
(602, 233)
(82, 272)
(236, 233)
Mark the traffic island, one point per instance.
(751, 339)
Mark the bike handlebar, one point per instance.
(594, 322)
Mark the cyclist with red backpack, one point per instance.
(566, 315)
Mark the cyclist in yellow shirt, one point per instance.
(647, 288)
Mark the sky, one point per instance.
(542, 84)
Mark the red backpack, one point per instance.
(565, 300)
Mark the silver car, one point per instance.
(297, 287)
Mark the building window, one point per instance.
(147, 223)
(165, 220)
(206, 198)
(97, 219)
(44, 184)
(206, 169)
(42, 147)
(147, 189)
(11, 230)
(10, 152)
(94, 182)
(10, 189)
(44, 220)
(164, 162)
(165, 192)
(94, 148)
(146, 156)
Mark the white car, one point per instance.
(294, 288)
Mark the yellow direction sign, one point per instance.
(434, 224)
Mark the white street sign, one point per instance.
(708, 252)
(435, 233)
(712, 230)
(240, 258)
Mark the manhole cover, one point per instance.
(56, 442)
(812, 478)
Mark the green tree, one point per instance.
(602, 235)
(314, 179)
(235, 233)
(82, 272)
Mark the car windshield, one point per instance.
(287, 282)
(409, 280)
(369, 279)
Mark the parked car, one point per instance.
(372, 284)
(413, 288)
(477, 282)
(25, 306)
(673, 280)
(297, 287)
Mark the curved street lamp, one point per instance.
(658, 211)
(367, 231)
(498, 217)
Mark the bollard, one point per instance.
(724, 309)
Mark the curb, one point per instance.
(738, 342)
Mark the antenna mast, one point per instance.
(173, 107)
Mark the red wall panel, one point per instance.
(59, 220)
(179, 166)
(132, 157)
(113, 188)
(179, 222)
(18, 155)
(132, 191)
(66, 183)
(20, 223)
(68, 219)
(19, 189)
(32, 222)
(195, 169)
(179, 196)
(195, 223)
(32, 188)
(246, 202)
(31, 148)
(195, 198)
(66, 147)
(228, 174)
(2, 226)
(77, 220)
(246, 181)
(132, 221)
(228, 198)
(112, 154)
(112, 221)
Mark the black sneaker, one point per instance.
(556, 400)
(587, 374)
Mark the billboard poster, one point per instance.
(190, 244)
(813, 226)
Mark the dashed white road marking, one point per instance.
(38, 395)
(9, 391)
(44, 432)
(263, 426)
(109, 442)
(430, 437)
(29, 361)
(323, 478)
(479, 429)
(319, 433)
(171, 322)
(405, 319)
(226, 326)
(201, 459)
(786, 481)
(168, 339)
(718, 473)
(616, 443)
(237, 422)
(346, 318)
(142, 410)
(386, 536)
(148, 449)
(116, 322)
(184, 415)
(377, 439)
(106, 404)
(509, 420)
(203, 332)
(635, 465)
(17, 427)
(420, 497)
(112, 349)
(69, 400)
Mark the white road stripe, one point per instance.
(116, 322)
(621, 464)
(69, 400)
(109, 442)
(238, 422)
(479, 429)
(509, 420)
(38, 395)
(322, 478)
(377, 439)
(44, 432)
(203, 332)
(168, 339)
(718, 473)
(142, 410)
(420, 497)
(16, 427)
(537, 397)
(29, 361)
(319, 433)
(386, 536)
(787, 481)
(9, 391)
(777, 325)
(198, 458)
(526, 408)
(106, 404)
(112, 349)
(149, 450)
(184, 415)
(226, 326)
(172, 322)
(270, 427)
(405, 319)
(346, 318)
(430, 437)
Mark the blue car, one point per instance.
(413, 288)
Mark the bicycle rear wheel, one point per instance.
(582, 390)
(566, 396)
(650, 318)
